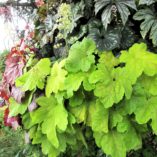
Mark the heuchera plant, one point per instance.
(114, 97)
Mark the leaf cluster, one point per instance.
(98, 96)
(113, 25)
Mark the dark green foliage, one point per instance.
(105, 39)
(29, 150)
(110, 8)
(13, 145)
(81, 20)
(10, 141)
(149, 24)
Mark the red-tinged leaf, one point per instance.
(10, 121)
(15, 63)
(4, 92)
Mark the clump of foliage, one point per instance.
(81, 90)
(99, 98)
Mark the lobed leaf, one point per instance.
(81, 56)
(35, 78)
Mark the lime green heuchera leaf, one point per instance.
(53, 116)
(88, 86)
(35, 77)
(144, 108)
(83, 113)
(110, 84)
(146, 112)
(16, 108)
(80, 112)
(57, 118)
(123, 125)
(100, 118)
(50, 150)
(149, 84)
(77, 99)
(132, 139)
(47, 148)
(81, 56)
(73, 82)
(109, 60)
(56, 80)
(139, 60)
(27, 121)
(117, 144)
(38, 137)
(111, 143)
(115, 117)
(130, 106)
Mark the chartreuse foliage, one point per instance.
(35, 77)
(116, 97)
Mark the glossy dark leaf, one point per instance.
(147, 2)
(127, 37)
(88, 8)
(106, 16)
(149, 25)
(105, 39)
(123, 11)
(101, 4)
(110, 8)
